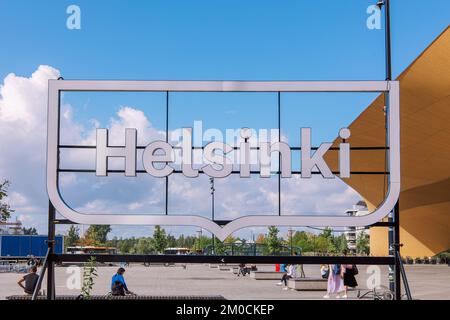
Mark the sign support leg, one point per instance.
(51, 246)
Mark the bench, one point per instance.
(225, 268)
(308, 284)
(266, 275)
(128, 297)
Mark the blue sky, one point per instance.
(216, 40)
(261, 40)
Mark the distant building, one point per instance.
(11, 227)
(352, 233)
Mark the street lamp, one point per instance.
(199, 238)
(380, 4)
(290, 231)
(394, 272)
(211, 181)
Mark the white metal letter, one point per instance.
(104, 151)
(149, 158)
(308, 161)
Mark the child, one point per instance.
(324, 271)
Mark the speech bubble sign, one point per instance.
(393, 144)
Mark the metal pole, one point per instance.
(167, 140)
(279, 155)
(41, 277)
(396, 230)
(403, 273)
(397, 269)
(211, 180)
(388, 40)
(290, 239)
(394, 233)
(51, 251)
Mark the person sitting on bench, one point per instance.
(243, 270)
(118, 285)
(290, 274)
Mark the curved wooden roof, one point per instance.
(425, 151)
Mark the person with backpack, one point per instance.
(335, 283)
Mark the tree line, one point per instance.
(325, 242)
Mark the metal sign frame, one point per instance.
(390, 88)
(391, 92)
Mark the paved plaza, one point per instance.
(426, 282)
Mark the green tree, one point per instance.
(89, 274)
(72, 237)
(203, 242)
(30, 231)
(219, 247)
(98, 233)
(273, 243)
(323, 244)
(303, 240)
(327, 233)
(114, 242)
(126, 245)
(5, 209)
(230, 239)
(171, 241)
(180, 242)
(340, 244)
(159, 241)
(363, 243)
(186, 242)
(143, 246)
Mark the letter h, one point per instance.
(104, 151)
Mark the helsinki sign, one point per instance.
(158, 156)
(150, 156)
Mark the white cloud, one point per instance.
(23, 113)
(17, 199)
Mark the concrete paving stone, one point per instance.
(426, 282)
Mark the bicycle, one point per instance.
(383, 293)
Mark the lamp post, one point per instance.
(211, 181)
(394, 217)
(290, 231)
(199, 238)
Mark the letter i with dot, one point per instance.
(344, 153)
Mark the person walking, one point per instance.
(300, 271)
(335, 283)
(350, 270)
